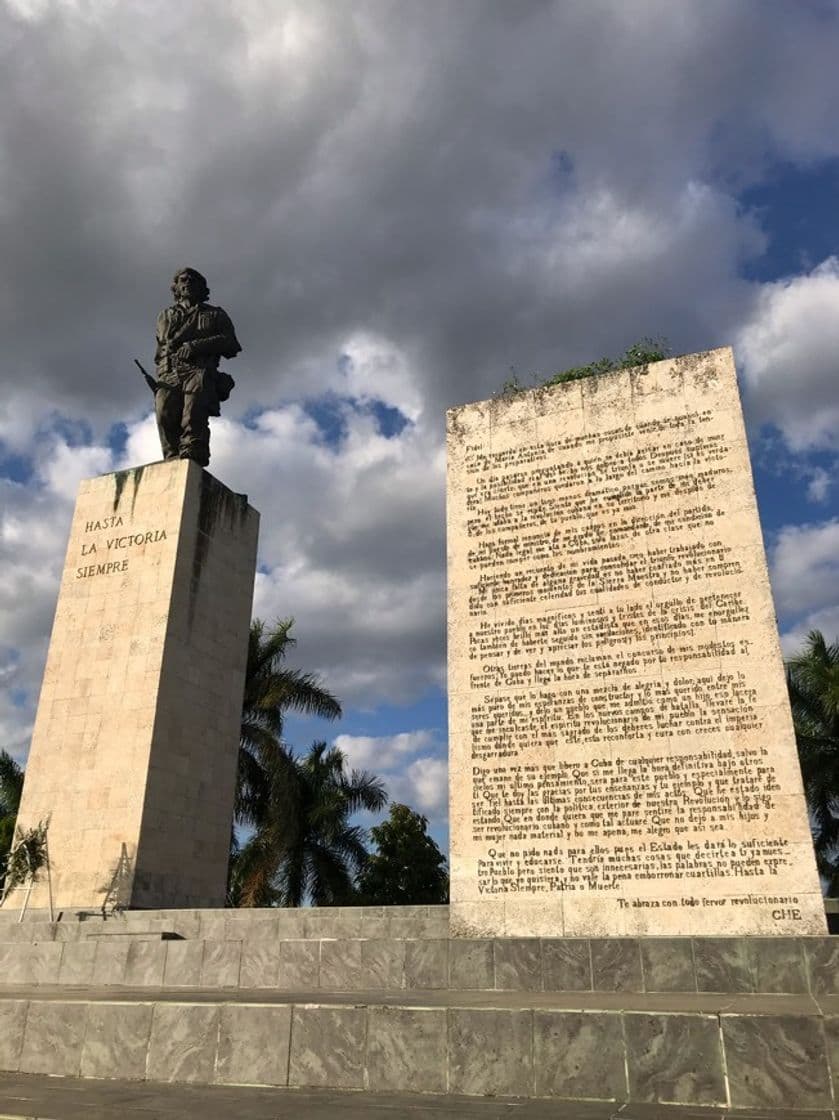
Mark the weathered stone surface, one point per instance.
(674, 1059)
(221, 963)
(622, 760)
(667, 964)
(578, 1055)
(776, 1060)
(213, 925)
(340, 965)
(52, 1040)
(490, 1052)
(669, 1048)
(145, 964)
(518, 964)
(253, 1045)
(725, 964)
(406, 1050)
(299, 966)
(260, 963)
(471, 965)
(781, 966)
(823, 965)
(831, 1031)
(77, 961)
(382, 963)
(109, 963)
(327, 1047)
(116, 1039)
(133, 754)
(183, 1042)
(616, 965)
(183, 964)
(44, 962)
(566, 965)
(14, 962)
(12, 1022)
(426, 964)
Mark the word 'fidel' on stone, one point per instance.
(622, 756)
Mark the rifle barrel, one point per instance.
(150, 381)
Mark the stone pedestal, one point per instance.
(134, 749)
(622, 754)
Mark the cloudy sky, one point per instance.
(398, 203)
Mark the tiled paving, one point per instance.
(26, 1097)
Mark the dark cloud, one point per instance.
(443, 190)
(384, 166)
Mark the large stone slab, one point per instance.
(759, 1053)
(622, 757)
(133, 756)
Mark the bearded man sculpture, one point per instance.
(192, 337)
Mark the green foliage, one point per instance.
(813, 683)
(271, 690)
(28, 856)
(267, 787)
(641, 353)
(11, 788)
(408, 869)
(313, 852)
(7, 833)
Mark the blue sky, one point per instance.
(397, 204)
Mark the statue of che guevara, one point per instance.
(192, 337)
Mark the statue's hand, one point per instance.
(185, 351)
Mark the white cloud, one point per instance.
(351, 539)
(382, 752)
(374, 194)
(351, 536)
(788, 350)
(64, 467)
(826, 621)
(377, 370)
(421, 783)
(356, 171)
(819, 485)
(424, 786)
(805, 568)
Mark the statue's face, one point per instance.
(187, 288)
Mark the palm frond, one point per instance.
(11, 782)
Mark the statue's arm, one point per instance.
(225, 344)
(161, 350)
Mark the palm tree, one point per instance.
(267, 789)
(271, 690)
(813, 681)
(11, 788)
(316, 853)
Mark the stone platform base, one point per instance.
(27, 1096)
(378, 1000)
(739, 1052)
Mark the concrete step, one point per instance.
(735, 1052)
(33, 1097)
(113, 959)
(219, 925)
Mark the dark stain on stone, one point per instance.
(138, 475)
(217, 506)
(120, 480)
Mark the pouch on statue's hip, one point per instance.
(224, 384)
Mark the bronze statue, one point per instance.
(191, 338)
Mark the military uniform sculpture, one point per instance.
(192, 337)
